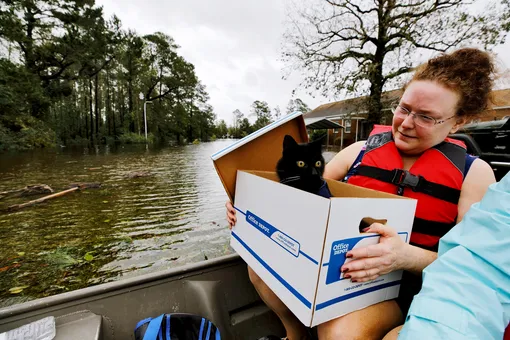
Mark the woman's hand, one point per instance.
(231, 215)
(372, 261)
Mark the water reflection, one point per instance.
(130, 226)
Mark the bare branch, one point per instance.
(397, 73)
(354, 46)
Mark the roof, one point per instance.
(321, 123)
(501, 98)
(350, 107)
(357, 106)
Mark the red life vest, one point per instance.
(435, 180)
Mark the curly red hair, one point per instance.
(469, 72)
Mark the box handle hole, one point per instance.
(368, 221)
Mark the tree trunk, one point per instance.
(122, 109)
(85, 104)
(130, 107)
(376, 74)
(108, 104)
(29, 39)
(42, 199)
(161, 83)
(113, 112)
(190, 126)
(29, 52)
(96, 106)
(36, 189)
(374, 100)
(91, 112)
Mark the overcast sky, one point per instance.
(234, 45)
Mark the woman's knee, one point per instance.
(254, 278)
(372, 322)
(393, 335)
(340, 329)
(257, 282)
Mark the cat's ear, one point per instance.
(288, 142)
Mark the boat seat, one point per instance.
(83, 325)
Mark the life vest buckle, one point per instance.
(404, 178)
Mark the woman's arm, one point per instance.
(394, 254)
(338, 167)
(415, 259)
(390, 254)
(475, 185)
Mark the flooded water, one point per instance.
(128, 227)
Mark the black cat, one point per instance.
(302, 166)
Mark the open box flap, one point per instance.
(260, 150)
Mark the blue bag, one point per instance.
(176, 326)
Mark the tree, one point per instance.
(49, 35)
(200, 114)
(277, 112)
(68, 75)
(238, 117)
(261, 110)
(297, 105)
(131, 64)
(168, 74)
(168, 71)
(245, 128)
(355, 46)
(221, 129)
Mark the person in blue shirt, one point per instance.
(466, 291)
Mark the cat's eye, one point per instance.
(300, 164)
(318, 164)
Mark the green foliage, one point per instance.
(133, 138)
(318, 134)
(297, 105)
(82, 83)
(221, 129)
(78, 141)
(25, 132)
(261, 110)
(245, 127)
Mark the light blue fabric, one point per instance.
(466, 291)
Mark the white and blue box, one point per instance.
(296, 241)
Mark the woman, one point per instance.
(443, 94)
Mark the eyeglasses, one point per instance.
(419, 119)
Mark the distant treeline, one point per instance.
(263, 115)
(70, 76)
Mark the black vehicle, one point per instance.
(490, 141)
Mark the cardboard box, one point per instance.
(297, 241)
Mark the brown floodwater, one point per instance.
(128, 227)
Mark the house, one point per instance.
(500, 108)
(351, 114)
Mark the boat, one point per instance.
(217, 289)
